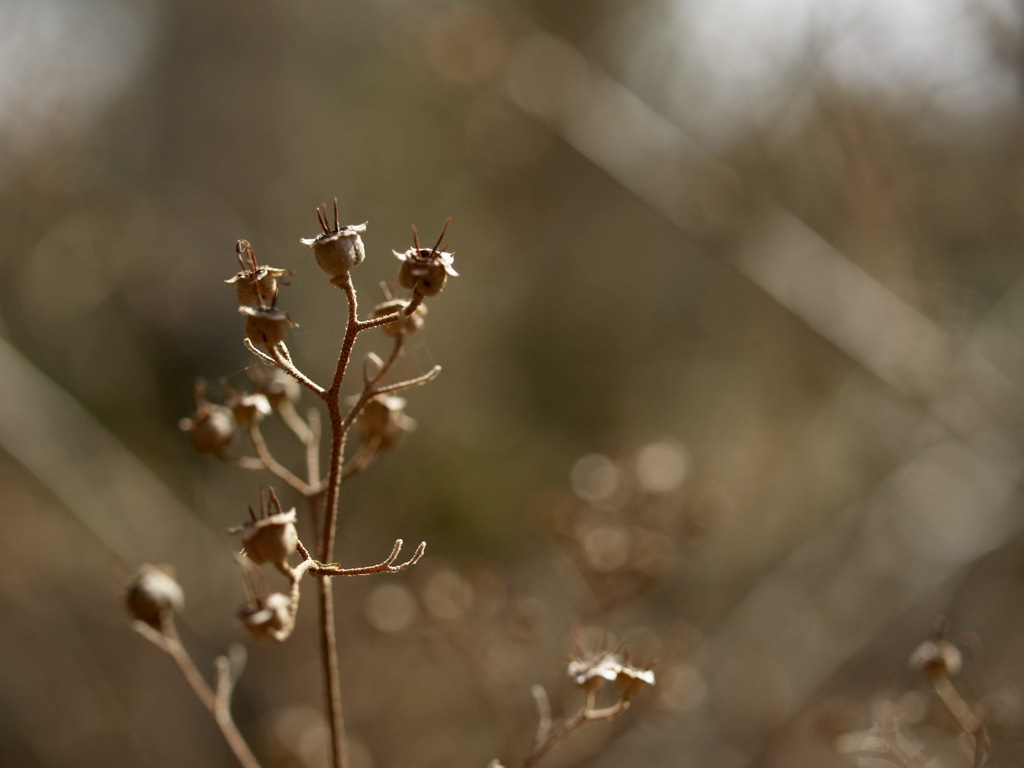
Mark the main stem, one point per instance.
(328, 634)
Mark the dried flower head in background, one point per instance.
(384, 422)
(267, 617)
(153, 595)
(247, 408)
(211, 428)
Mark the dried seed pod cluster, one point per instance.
(272, 536)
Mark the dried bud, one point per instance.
(266, 326)
(337, 249)
(276, 385)
(384, 421)
(406, 323)
(247, 408)
(212, 427)
(256, 285)
(425, 270)
(588, 672)
(271, 537)
(153, 595)
(631, 680)
(936, 658)
(268, 617)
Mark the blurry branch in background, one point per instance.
(107, 488)
(892, 738)
(941, 507)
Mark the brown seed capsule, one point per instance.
(268, 617)
(425, 270)
(266, 326)
(256, 285)
(247, 408)
(337, 249)
(277, 386)
(383, 420)
(406, 323)
(271, 537)
(211, 428)
(588, 672)
(153, 595)
(631, 680)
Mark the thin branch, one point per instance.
(418, 381)
(285, 365)
(294, 422)
(272, 465)
(547, 738)
(385, 566)
(216, 703)
(363, 458)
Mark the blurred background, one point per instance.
(732, 373)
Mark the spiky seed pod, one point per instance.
(256, 284)
(267, 617)
(383, 420)
(337, 249)
(271, 538)
(425, 270)
(406, 323)
(266, 326)
(153, 595)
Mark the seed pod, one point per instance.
(406, 323)
(589, 672)
(256, 285)
(211, 428)
(425, 270)
(268, 617)
(153, 595)
(276, 385)
(338, 251)
(266, 326)
(247, 408)
(383, 420)
(270, 539)
(631, 680)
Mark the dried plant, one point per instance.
(270, 537)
